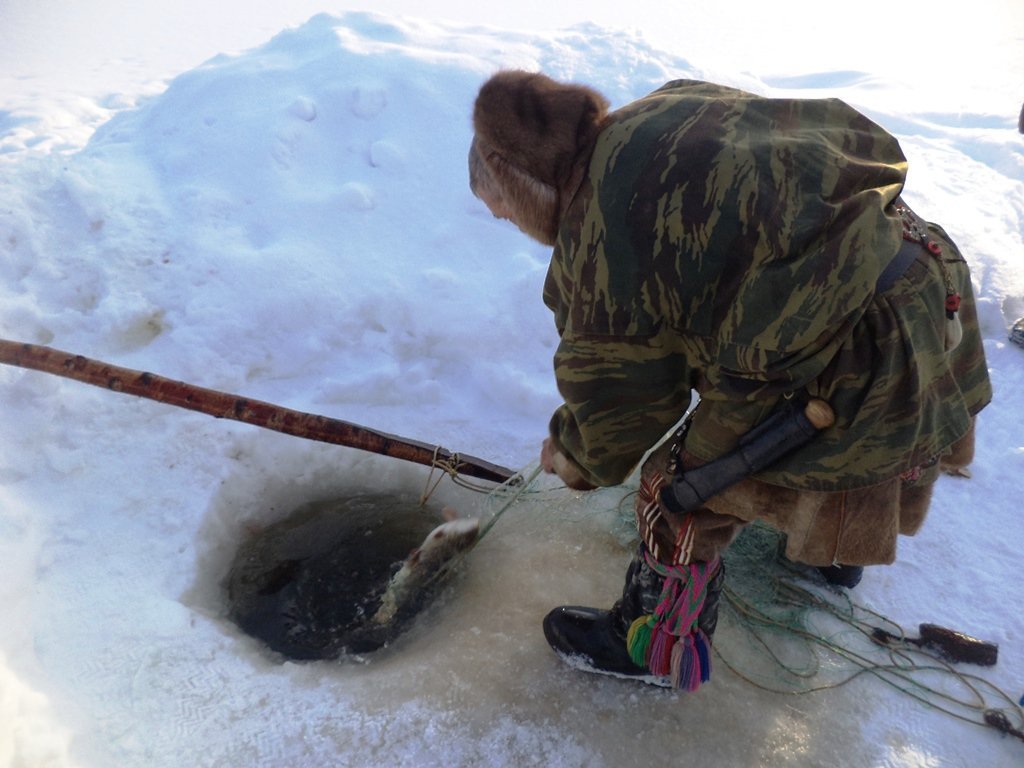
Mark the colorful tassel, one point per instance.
(659, 658)
(686, 669)
(669, 643)
(677, 663)
(638, 639)
(703, 646)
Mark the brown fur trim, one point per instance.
(858, 527)
(532, 133)
(961, 453)
(532, 205)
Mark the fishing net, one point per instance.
(783, 629)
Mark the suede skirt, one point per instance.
(855, 527)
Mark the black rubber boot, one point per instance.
(848, 576)
(594, 640)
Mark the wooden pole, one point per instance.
(222, 405)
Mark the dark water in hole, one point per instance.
(306, 585)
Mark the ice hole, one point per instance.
(300, 546)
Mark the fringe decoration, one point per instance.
(638, 639)
(691, 661)
(669, 643)
(659, 656)
(703, 645)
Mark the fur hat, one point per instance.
(532, 135)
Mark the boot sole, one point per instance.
(582, 663)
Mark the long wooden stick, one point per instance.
(222, 405)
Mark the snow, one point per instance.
(292, 222)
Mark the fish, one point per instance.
(425, 565)
(344, 577)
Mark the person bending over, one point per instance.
(754, 251)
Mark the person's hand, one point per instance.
(555, 462)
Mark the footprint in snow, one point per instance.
(303, 108)
(368, 102)
(386, 156)
(357, 197)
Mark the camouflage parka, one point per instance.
(731, 244)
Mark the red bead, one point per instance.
(934, 248)
(953, 302)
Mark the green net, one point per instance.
(783, 629)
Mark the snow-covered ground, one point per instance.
(293, 223)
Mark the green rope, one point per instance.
(775, 614)
(521, 485)
(774, 617)
(513, 488)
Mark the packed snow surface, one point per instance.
(293, 224)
